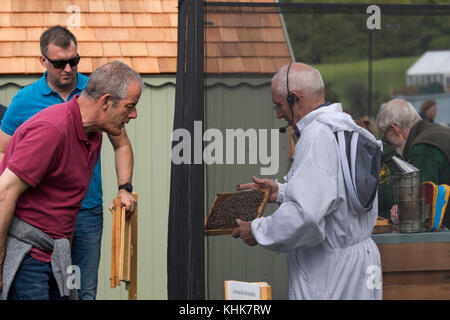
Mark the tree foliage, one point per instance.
(339, 37)
(342, 38)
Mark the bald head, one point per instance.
(303, 79)
(305, 87)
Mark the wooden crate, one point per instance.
(221, 197)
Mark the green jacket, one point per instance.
(428, 149)
(433, 164)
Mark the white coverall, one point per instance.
(330, 252)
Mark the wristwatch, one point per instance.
(127, 186)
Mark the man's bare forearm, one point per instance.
(124, 162)
(7, 207)
(124, 159)
(11, 187)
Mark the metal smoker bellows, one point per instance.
(411, 204)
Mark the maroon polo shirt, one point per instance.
(52, 154)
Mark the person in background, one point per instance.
(423, 144)
(60, 83)
(325, 232)
(428, 110)
(368, 124)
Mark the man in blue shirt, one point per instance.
(59, 84)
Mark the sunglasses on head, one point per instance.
(60, 64)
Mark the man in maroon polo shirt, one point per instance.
(48, 165)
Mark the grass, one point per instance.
(387, 73)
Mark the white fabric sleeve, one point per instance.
(309, 196)
(281, 190)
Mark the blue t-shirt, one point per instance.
(36, 97)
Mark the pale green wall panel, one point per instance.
(150, 136)
(245, 103)
(9, 85)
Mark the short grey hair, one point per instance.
(399, 112)
(112, 78)
(300, 80)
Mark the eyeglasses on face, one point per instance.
(384, 140)
(277, 107)
(60, 64)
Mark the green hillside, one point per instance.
(348, 80)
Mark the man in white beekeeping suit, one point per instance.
(328, 205)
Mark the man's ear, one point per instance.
(105, 101)
(298, 98)
(42, 61)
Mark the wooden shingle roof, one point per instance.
(243, 41)
(142, 33)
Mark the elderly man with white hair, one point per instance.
(425, 145)
(327, 212)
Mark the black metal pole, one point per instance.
(185, 250)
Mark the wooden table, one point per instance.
(416, 265)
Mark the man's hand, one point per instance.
(127, 199)
(261, 184)
(244, 231)
(394, 214)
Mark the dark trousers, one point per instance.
(34, 281)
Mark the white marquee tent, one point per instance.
(432, 67)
